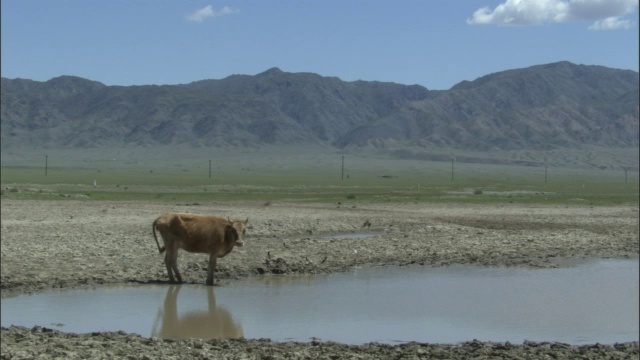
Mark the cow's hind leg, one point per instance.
(211, 268)
(167, 262)
(171, 261)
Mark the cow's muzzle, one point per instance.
(239, 243)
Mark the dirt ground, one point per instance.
(72, 244)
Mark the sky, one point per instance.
(433, 43)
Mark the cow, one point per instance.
(211, 235)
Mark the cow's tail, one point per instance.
(160, 248)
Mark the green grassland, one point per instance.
(319, 178)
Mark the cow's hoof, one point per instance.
(209, 283)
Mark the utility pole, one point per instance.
(453, 159)
(209, 169)
(342, 167)
(46, 164)
(626, 169)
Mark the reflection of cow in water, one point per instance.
(215, 323)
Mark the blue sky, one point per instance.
(434, 43)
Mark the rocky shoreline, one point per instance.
(43, 343)
(74, 244)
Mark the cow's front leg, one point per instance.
(211, 268)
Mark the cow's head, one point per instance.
(236, 229)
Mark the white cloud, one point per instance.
(606, 14)
(611, 23)
(208, 11)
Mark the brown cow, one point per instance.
(212, 235)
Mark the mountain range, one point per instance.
(545, 107)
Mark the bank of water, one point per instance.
(594, 301)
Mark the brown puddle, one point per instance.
(355, 235)
(592, 302)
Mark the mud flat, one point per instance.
(42, 343)
(75, 244)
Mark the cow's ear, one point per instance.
(246, 221)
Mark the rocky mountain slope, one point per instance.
(553, 106)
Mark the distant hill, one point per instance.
(553, 106)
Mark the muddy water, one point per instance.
(593, 301)
(351, 236)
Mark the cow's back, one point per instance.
(203, 233)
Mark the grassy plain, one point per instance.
(304, 176)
